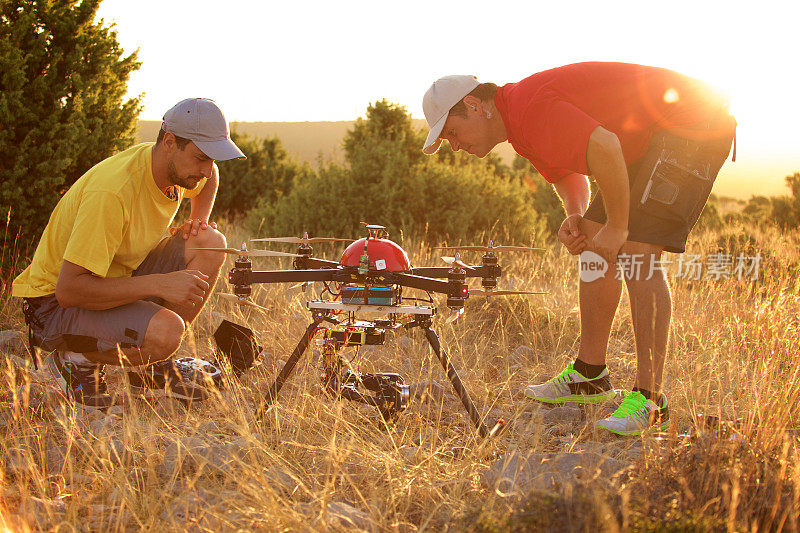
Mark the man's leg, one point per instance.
(174, 253)
(162, 338)
(598, 300)
(651, 312)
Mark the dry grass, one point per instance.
(321, 464)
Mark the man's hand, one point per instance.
(570, 234)
(191, 227)
(184, 287)
(608, 241)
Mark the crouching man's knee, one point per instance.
(207, 238)
(163, 337)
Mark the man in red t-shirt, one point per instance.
(654, 141)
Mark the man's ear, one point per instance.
(473, 103)
(169, 141)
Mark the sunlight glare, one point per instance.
(671, 96)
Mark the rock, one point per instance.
(115, 411)
(405, 343)
(138, 478)
(192, 454)
(104, 425)
(182, 447)
(411, 454)
(13, 341)
(102, 517)
(427, 391)
(344, 515)
(282, 479)
(55, 458)
(114, 449)
(516, 472)
(561, 414)
(42, 512)
(523, 356)
(16, 462)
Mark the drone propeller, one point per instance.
(454, 315)
(484, 292)
(492, 248)
(299, 240)
(241, 301)
(249, 253)
(456, 260)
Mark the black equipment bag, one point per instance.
(238, 345)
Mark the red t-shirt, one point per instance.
(550, 115)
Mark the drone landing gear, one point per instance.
(391, 395)
(433, 339)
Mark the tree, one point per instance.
(63, 78)
(388, 180)
(267, 174)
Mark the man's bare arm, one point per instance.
(202, 204)
(79, 287)
(574, 192)
(607, 164)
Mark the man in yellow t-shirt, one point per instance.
(106, 284)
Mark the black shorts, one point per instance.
(81, 330)
(669, 187)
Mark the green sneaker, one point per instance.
(637, 414)
(571, 386)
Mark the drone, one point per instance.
(369, 280)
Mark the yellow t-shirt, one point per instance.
(107, 222)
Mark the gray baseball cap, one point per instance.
(201, 121)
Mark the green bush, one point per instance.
(62, 84)
(267, 174)
(387, 180)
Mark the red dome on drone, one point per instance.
(383, 255)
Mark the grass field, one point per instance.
(318, 464)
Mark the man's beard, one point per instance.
(186, 183)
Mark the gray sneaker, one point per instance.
(571, 386)
(187, 378)
(84, 385)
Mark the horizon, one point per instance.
(740, 179)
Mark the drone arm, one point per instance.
(249, 277)
(424, 283)
(306, 263)
(441, 272)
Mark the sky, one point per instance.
(322, 60)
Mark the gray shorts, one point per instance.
(81, 330)
(669, 188)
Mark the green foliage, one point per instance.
(62, 82)
(546, 202)
(388, 180)
(710, 219)
(783, 211)
(267, 174)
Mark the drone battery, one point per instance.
(358, 337)
(352, 294)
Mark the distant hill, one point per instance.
(304, 141)
(753, 173)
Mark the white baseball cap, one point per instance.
(437, 102)
(201, 121)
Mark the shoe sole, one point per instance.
(661, 427)
(583, 398)
(62, 385)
